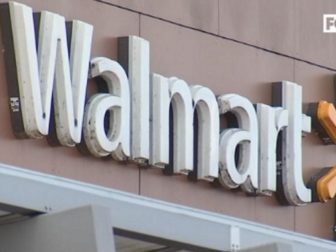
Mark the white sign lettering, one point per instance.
(245, 138)
(38, 71)
(152, 119)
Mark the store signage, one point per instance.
(132, 119)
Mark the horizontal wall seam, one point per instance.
(221, 36)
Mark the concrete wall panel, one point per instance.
(267, 24)
(239, 19)
(198, 14)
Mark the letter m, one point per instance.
(33, 69)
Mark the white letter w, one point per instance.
(38, 69)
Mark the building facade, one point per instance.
(229, 47)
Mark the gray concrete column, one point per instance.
(84, 229)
